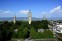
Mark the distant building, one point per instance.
(16, 30)
(50, 27)
(14, 19)
(40, 30)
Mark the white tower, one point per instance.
(44, 17)
(29, 17)
(14, 19)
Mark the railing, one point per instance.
(33, 40)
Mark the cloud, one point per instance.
(6, 12)
(24, 11)
(0, 10)
(56, 10)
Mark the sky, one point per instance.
(38, 8)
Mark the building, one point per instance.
(57, 28)
(40, 30)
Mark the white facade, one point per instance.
(16, 30)
(40, 30)
(57, 28)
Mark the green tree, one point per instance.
(39, 35)
(44, 24)
(48, 34)
(20, 32)
(32, 33)
(26, 30)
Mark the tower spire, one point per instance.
(15, 19)
(29, 17)
(44, 17)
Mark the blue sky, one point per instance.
(51, 8)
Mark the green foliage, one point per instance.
(32, 33)
(35, 24)
(44, 24)
(40, 24)
(23, 29)
(14, 35)
(48, 34)
(40, 35)
(22, 32)
(25, 32)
